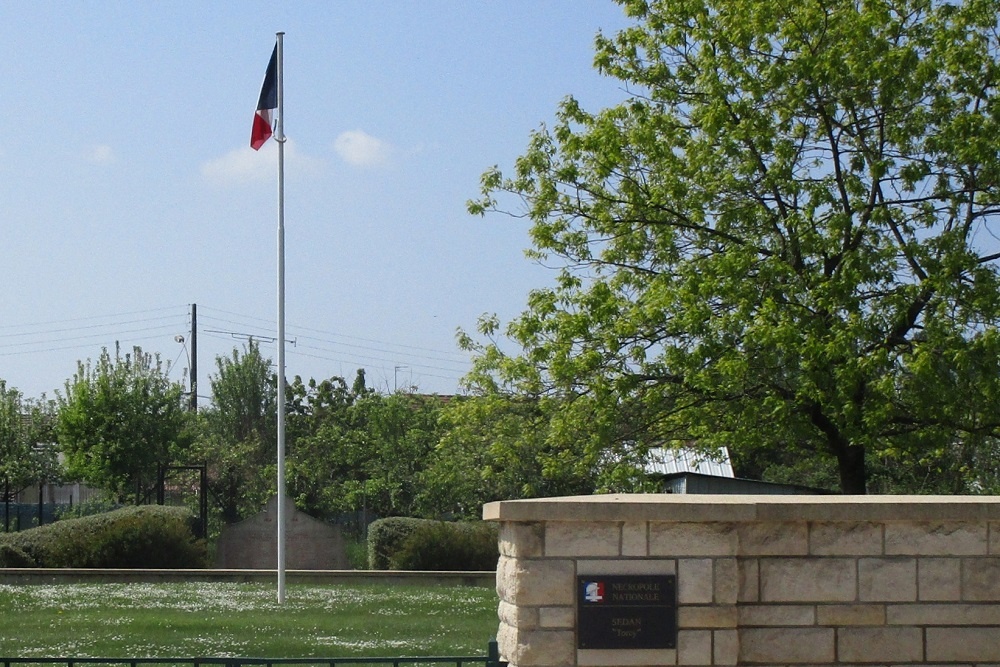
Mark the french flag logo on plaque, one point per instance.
(593, 591)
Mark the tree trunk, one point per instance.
(853, 474)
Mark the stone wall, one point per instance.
(310, 544)
(761, 580)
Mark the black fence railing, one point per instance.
(20, 516)
(491, 659)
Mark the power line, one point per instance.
(54, 335)
(334, 334)
(135, 326)
(356, 359)
(91, 317)
(117, 332)
(360, 351)
(77, 346)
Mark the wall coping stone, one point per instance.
(744, 508)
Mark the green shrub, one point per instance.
(385, 536)
(133, 537)
(423, 544)
(86, 508)
(448, 546)
(11, 556)
(357, 554)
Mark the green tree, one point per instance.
(364, 452)
(26, 438)
(400, 430)
(313, 404)
(319, 419)
(120, 419)
(780, 240)
(496, 447)
(238, 434)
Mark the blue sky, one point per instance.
(129, 190)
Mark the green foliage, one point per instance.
(964, 467)
(87, 508)
(11, 556)
(313, 404)
(362, 453)
(119, 420)
(133, 537)
(348, 449)
(237, 435)
(26, 431)
(357, 553)
(319, 456)
(403, 543)
(244, 396)
(441, 545)
(386, 537)
(495, 447)
(779, 242)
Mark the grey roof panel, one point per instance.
(669, 460)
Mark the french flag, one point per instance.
(266, 105)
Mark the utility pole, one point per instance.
(395, 377)
(193, 363)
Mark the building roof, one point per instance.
(670, 461)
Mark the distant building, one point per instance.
(665, 461)
(683, 470)
(68, 494)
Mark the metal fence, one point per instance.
(21, 516)
(491, 659)
(15, 517)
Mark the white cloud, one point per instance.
(102, 154)
(245, 165)
(360, 149)
(239, 166)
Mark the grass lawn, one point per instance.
(208, 619)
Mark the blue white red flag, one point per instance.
(268, 102)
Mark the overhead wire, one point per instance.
(149, 324)
(340, 335)
(54, 335)
(334, 347)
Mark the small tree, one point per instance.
(238, 433)
(362, 450)
(26, 436)
(119, 421)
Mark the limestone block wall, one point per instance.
(761, 580)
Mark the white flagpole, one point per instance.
(279, 136)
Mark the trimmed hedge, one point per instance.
(11, 556)
(422, 544)
(385, 536)
(134, 537)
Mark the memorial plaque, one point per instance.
(626, 612)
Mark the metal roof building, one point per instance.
(684, 470)
(670, 461)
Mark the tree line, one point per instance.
(120, 419)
